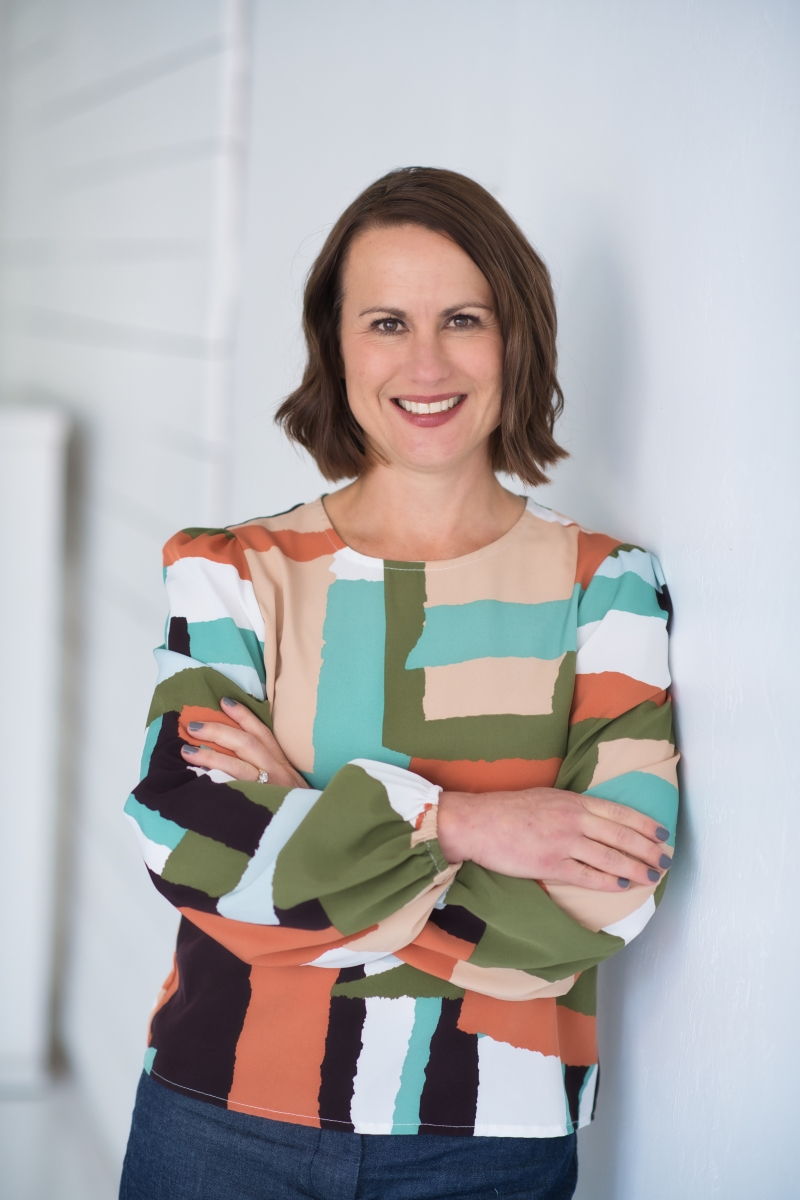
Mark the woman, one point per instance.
(409, 772)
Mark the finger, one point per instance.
(583, 875)
(250, 723)
(614, 862)
(627, 840)
(243, 745)
(212, 760)
(626, 816)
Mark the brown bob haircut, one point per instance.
(318, 416)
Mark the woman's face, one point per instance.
(421, 345)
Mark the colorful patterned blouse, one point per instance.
(332, 968)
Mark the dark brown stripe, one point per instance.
(449, 1097)
(342, 1048)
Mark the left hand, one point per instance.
(253, 748)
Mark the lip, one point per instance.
(429, 420)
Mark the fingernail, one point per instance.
(662, 834)
(624, 882)
(653, 875)
(189, 749)
(195, 725)
(227, 700)
(665, 862)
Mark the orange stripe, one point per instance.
(430, 961)
(609, 694)
(440, 942)
(267, 945)
(301, 547)
(214, 546)
(592, 549)
(577, 1037)
(527, 1024)
(282, 1044)
(505, 774)
(194, 712)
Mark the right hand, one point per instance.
(554, 836)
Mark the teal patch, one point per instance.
(150, 739)
(627, 593)
(412, 1079)
(223, 641)
(455, 633)
(349, 719)
(648, 794)
(154, 827)
(149, 1058)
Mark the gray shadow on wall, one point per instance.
(600, 374)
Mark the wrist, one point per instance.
(457, 825)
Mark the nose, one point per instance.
(428, 363)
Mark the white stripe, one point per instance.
(547, 514)
(384, 1041)
(387, 963)
(251, 899)
(170, 663)
(408, 793)
(342, 956)
(154, 854)
(628, 643)
(519, 1091)
(202, 590)
(632, 925)
(214, 775)
(349, 564)
(586, 1103)
(645, 565)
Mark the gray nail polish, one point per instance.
(662, 834)
(653, 875)
(227, 700)
(195, 725)
(624, 882)
(665, 862)
(190, 749)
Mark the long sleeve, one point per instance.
(509, 937)
(278, 876)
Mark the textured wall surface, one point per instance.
(123, 158)
(650, 150)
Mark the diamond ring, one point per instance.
(263, 777)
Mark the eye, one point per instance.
(387, 325)
(464, 321)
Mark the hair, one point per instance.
(317, 414)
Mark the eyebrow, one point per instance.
(401, 314)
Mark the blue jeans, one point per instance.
(186, 1149)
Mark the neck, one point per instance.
(417, 516)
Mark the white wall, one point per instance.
(124, 138)
(650, 151)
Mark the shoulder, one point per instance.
(599, 555)
(301, 532)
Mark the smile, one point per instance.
(426, 408)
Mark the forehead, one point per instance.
(410, 258)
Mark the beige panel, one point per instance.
(403, 926)
(505, 983)
(293, 599)
(491, 686)
(533, 563)
(633, 754)
(596, 910)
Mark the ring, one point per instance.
(263, 777)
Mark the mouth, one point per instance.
(440, 408)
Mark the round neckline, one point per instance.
(435, 564)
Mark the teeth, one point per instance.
(437, 406)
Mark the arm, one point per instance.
(620, 753)
(281, 874)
